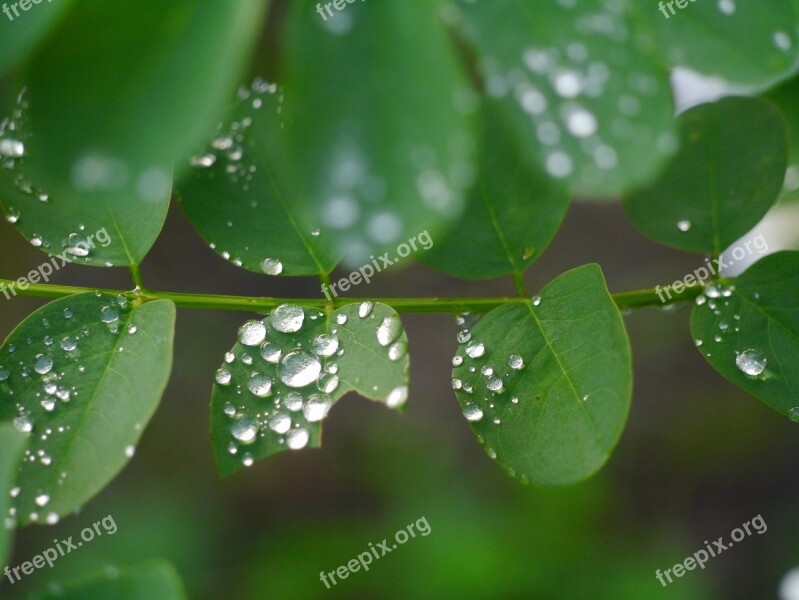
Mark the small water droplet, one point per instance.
(365, 309)
(751, 362)
(259, 385)
(389, 330)
(223, 377)
(397, 397)
(43, 364)
(245, 430)
(516, 362)
(325, 345)
(317, 407)
(297, 439)
(272, 266)
(683, 225)
(475, 349)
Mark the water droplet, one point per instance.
(76, 245)
(68, 344)
(5, 373)
(397, 397)
(259, 385)
(389, 330)
(270, 352)
(247, 460)
(472, 412)
(495, 385)
(293, 401)
(793, 414)
(365, 309)
(43, 364)
(516, 362)
(536, 300)
(475, 349)
(252, 333)
(42, 499)
(272, 266)
(397, 350)
(684, 225)
(317, 407)
(245, 430)
(280, 423)
(288, 318)
(464, 336)
(52, 518)
(12, 148)
(341, 319)
(130, 451)
(457, 361)
(751, 362)
(109, 314)
(325, 345)
(223, 377)
(298, 369)
(297, 439)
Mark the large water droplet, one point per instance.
(252, 333)
(280, 423)
(288, 318)
(109, 314)
(472, 412)
(223, 377)
(259, 385)
(272, 266)
(475, 349)
(297, 439)
(43, 364)
(317, 407)
(244, 430)
(298, 369)
(325, 345)
(751, 362)
(365, 309)
(397, 397)
(389, 330)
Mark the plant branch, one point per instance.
(624, 300)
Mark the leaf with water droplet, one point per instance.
(728, 173)
(586, 93)
(734, 40)
(102, 143)
(155, 579)
(511, 215)
(82, 408)
(543, 361)
(12, 445)
(392, 156)
(259, 224)
(759, 355)
(310, 360)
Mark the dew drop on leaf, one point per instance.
(288, 318)
(751, 362)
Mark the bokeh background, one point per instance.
(698, 457)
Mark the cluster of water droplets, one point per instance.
(230, 151)
(288, 384)
(581, 97)
(50, 378)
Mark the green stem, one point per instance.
(624, 300)
(135, 273)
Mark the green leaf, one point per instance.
(285, 373)
(107, 112)
(546, 385)
(583, 87)
(512, 214)
(727, 175)
(748, 331)
(23, 31)
(735, 40)
(378, 122)
(12, 444)
(84, 375)
(156, 580)
(258, 226)
(786, 98)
